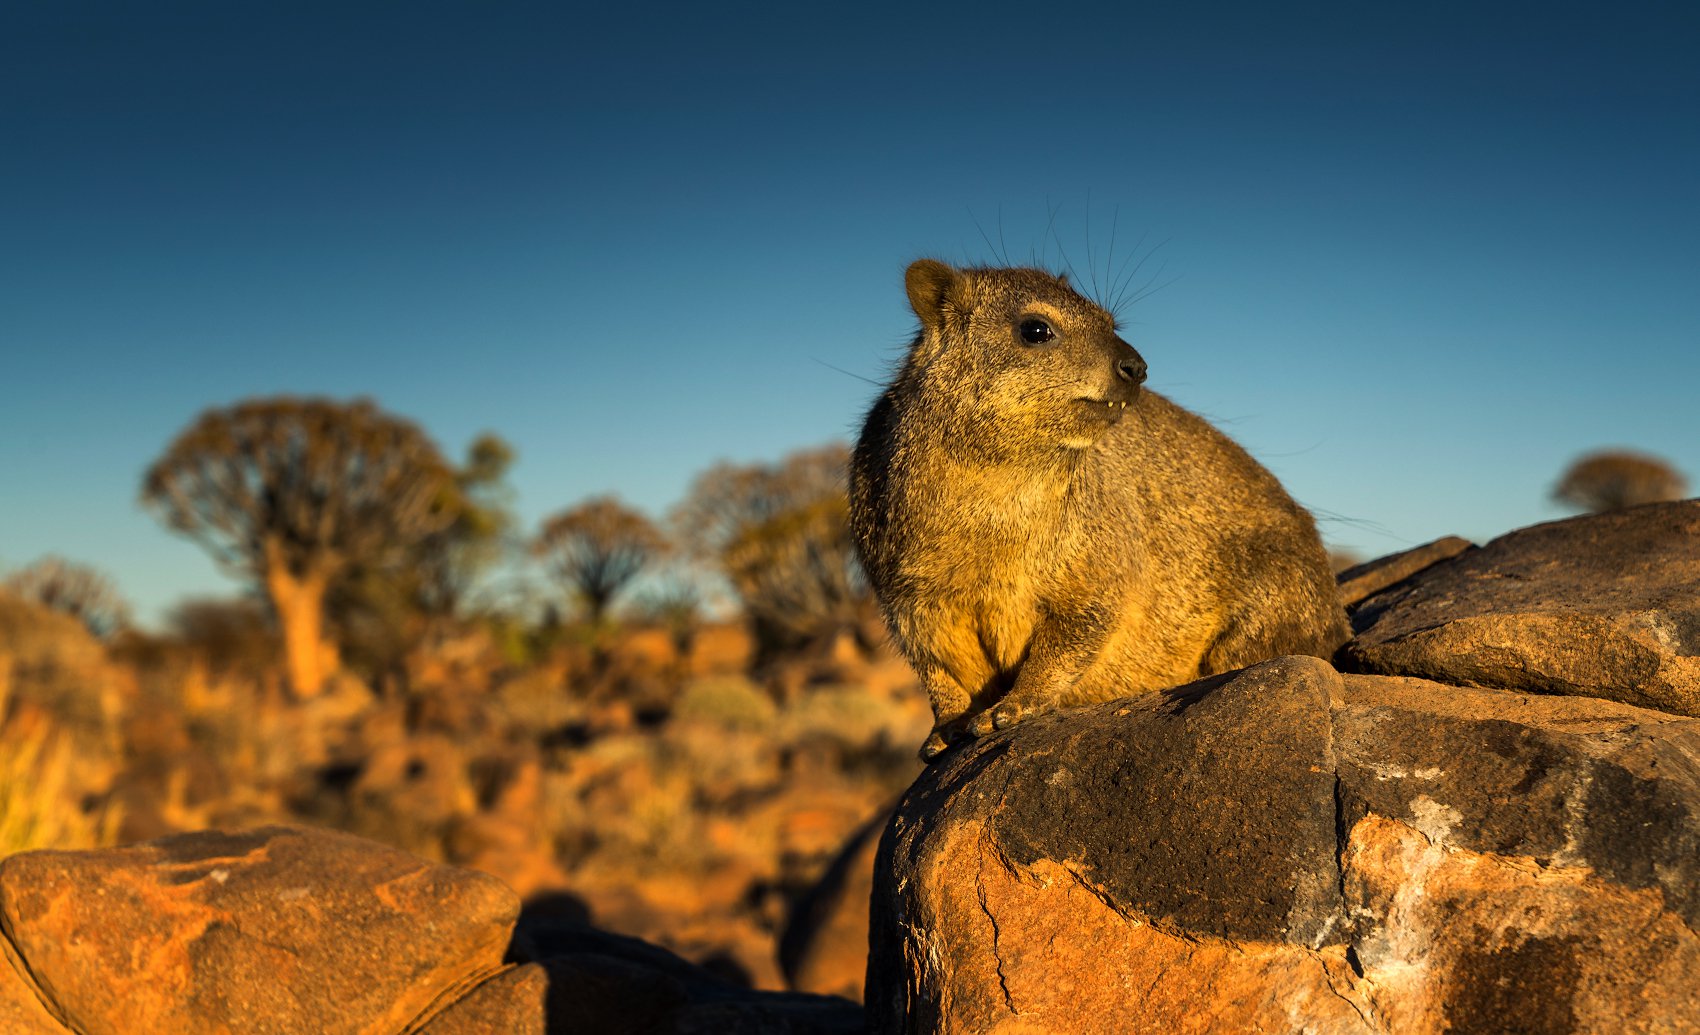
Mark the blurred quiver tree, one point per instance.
(292, 494)
(596, 549)
(73, 589)
(781, 535)
(1614, 479)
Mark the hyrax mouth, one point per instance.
(1101, 409)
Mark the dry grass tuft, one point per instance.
(39, 798)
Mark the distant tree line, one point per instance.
(356, 535)
(353, 527)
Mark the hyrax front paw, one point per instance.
(984, 723)
(1010, 711)
(1001, 716)
(944, 736)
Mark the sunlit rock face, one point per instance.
(248, 931)
(1290, 849)
(301, 931)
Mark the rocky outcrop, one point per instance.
(1288, 849)
(289, 929)
(1360, 582)
(1598, 606)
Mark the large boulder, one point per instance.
(1606, 605)
(286, 930)
(1286, 849)
(277, 929)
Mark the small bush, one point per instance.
(730, 702)
(38, 792)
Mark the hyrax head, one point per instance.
(1019, 353)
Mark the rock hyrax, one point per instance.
(1041, 533)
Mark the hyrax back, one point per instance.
(1042, 533)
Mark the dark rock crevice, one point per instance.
(19, 965)
(997, 953)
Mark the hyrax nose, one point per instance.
(1130, 367)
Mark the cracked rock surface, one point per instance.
(1287, 849)
(1606, 605)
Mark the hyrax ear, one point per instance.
(932, 286)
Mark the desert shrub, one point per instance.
(726, 701)
(54, 662)
(724, 765)
(41, 798)
(73, 589)
(232, 636)
(663, 824)
(531, 701)
(629, 803)
(848, 715)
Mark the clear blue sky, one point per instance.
(1415, 257)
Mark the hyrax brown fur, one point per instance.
(1041, 533)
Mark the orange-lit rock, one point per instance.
(1289, 850)
(296, 931)
(22, 1011)
(514, 1002)
(277, 929)
(1362, 581)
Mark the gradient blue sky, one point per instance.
(1415, 257)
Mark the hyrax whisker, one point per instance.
(1125, 276)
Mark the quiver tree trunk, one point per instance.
(299, 601)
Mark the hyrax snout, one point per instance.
(1042, 532)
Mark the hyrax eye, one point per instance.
(1036, 332)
